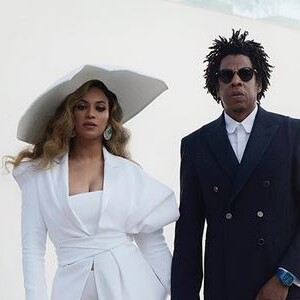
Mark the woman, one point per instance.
(102, 212)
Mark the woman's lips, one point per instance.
(89, 125)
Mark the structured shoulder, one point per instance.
(135, 173)
(135, 168)
(25, 171)
(202, 131)
(295, 123)
(291, 123)
(127, 163)
(23, 167)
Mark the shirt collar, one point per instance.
(247, 123)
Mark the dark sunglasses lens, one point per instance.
(245, 74)
(226, 75)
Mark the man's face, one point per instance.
(238, 97)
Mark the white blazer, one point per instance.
(135, 206)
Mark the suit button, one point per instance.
(260, 214)
(228, 216)
(216, 189)
(266, 183)
(261, 242)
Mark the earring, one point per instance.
(107, 134)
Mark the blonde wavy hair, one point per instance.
(57, 139)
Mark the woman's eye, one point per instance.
(101, 108)
(80, 106)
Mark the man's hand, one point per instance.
(273, 290)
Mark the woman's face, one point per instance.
(91, 114)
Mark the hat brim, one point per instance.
(134, 92)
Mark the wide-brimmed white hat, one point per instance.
(134, 92)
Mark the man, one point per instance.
(240, 174)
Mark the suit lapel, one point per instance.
(60, 176)
(111, 164)
(261, 135)
(220, 145)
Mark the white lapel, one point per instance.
(60, 176)
(111, 163)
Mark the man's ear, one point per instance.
(259, 85)
(259, 88)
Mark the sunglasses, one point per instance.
(245, 74)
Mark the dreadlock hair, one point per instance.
(236, 44)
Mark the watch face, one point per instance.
(287, 279)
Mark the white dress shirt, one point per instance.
(239, 132)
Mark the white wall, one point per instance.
(41, 40)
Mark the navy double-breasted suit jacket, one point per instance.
(252, 210)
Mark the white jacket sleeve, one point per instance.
(34, 235)
(155, 250)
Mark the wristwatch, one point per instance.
(285, 277)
